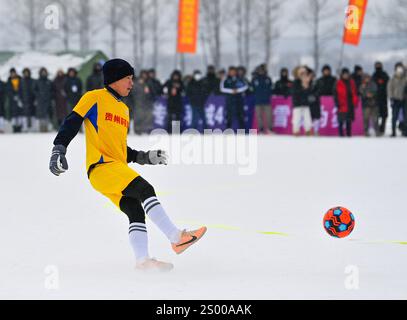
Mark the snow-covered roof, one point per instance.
(35, 60)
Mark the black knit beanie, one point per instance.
(116, 69)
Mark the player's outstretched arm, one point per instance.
(69, 129)
(153, 157)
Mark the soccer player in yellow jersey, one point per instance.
(107, 120)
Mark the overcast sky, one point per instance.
(294, 40)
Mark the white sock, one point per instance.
(156, 213)
(139, 240)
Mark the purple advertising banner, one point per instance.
(282, 117)
(215, 114)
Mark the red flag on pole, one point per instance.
(188, 26)
(355, 15)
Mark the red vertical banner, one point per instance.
(188, 18)
(355, 15)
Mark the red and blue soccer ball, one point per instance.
(339, 222)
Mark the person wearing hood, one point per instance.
(396, 91)
(325, 85)
(15, 103)
(346, 99)
(197, 98)
(61, 106)
(73, 88)
(381, 78)
(262, 88)
(284, 85)
(44, 96)
(211, 81)
(174, 90)
(28, 98)
(368, 93)
(95, 80)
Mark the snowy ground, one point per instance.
(61, 239)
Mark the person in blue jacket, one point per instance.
(234, 89)
(262, 88)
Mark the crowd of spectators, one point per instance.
(40, 105)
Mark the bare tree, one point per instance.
(142, 36)
(83, 16)
(393, 18)
(317, 16)
(138, 15)
(154, 32)
(29, 15)
(247, 31)
(66, 34)
(114, 23)
(211, 29)
(245, 26)
(239, 31)
(269, 18)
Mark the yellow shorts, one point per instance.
(110, 179)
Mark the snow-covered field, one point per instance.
(61, 239)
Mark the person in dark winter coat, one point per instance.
(15, 103)
(357, 76)
(325, 85)
(73, 88)
(284, 85)
(303, 97)
(130, 102)
(347, 100)
(396, 91)
(262, 88)
(154, 84)
(211, 82)
(28, 98)
(197, 96)
(2, 106)
(315, 105)
(61, 105)
(381, 78)
(234, 88)
(44, 97)
(144, 104)
(174, 90)
(368, 93)
(95, 80)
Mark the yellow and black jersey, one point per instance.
(106, 119)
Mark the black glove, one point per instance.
(58, 163)
(153, 157)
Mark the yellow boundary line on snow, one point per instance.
(233, 228)
(108, 204)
